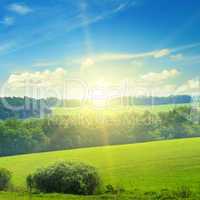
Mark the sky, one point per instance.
(81, 47)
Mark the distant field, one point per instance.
(147, 166)
(118, 109)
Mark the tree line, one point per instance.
(23, 108)
(85, 130)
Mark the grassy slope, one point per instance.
(147, 166)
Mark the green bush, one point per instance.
(5, 177)
(65, 177)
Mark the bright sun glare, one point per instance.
(100, 94)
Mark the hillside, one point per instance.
(148, 166)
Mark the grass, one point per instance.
(24, 196)
(136, 195)
(147, 166)
(114, 109)
(153, 108)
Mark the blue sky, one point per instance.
(151, 42)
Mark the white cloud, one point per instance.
(126, 4)
(190, 87)
(35, 84)
(154, 54)
(128, 56)
(45, 78)
(41, 82)
(121, 7)
(176, 57)
(8, 21)
(159, 77)
(20, 9)
(161, 53)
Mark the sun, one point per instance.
(100, 94)
(99, 99)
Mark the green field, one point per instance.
(25, 196)
(114, 109)
(146, 166)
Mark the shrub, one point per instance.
(5, 177)
(65, 177)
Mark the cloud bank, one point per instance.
(159, 77)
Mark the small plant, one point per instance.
(165, 194)
(183, 192)
(112, 190)
(5, 177)
(65, 177)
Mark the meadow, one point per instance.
(143, 170)
(146, 166)
(25, 196)
(115, 109)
